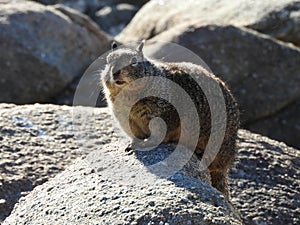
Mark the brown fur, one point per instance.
(151, 107)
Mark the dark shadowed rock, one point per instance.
(274, 17)
(43, 49)
(80, 5)
(282, 23)
(283, 126)
(131, 2)
(85, 90)
(254, 65)
(113, 19)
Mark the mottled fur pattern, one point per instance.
(126, 65)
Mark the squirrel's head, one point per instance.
(124, 65)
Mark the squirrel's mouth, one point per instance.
(120, 82)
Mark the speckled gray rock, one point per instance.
(112, 187)
(265, 181)
(277, 18)
(43, 49)
(37, 142)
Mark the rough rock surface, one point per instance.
(37, 142)
(246, 60)
(85, 90)
(43, 49)
(274, 17)
(265, 181)
(112, 187)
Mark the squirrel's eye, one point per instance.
(134, 61)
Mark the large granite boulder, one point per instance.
(274, 17)
(39, 141)
(43, 48)
(113, 187)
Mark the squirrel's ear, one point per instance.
(140, 46)
(114, 45)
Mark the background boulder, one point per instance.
(43, 50)
(113, 19)
(277, 18)
(284, 125)
(111, 15)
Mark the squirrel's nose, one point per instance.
(117, 78)
(117, 75)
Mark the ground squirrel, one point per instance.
(125, 65)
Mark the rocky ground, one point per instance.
(112, 187)
(264, 180)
